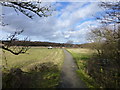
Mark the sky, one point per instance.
(71, 21)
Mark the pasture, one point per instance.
(33, 56)
(41, 65)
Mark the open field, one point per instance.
(34, 56)
(41, 65)
(81, 57)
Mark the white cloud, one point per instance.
(54, 28)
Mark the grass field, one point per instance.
(81, 57)
(42, 65)
(34, 56)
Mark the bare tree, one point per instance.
(14, 46)
(110, 31)
(29, 9)
(112, 12)
(106, 41)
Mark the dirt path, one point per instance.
(69, 78)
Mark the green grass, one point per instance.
(81, 57)
(37, 57)
(34, 56)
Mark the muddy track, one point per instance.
(69, 77)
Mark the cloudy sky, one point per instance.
(69, 21)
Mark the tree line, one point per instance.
(37, 43)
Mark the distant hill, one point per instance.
(37, 43)
(46, 44)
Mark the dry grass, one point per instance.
(35, 55)
(81, 50)
(41, 67)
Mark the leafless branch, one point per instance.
(15, 46)
(29, 8)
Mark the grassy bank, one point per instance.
(40, 67)
(81, 57)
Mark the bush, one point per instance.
(104, 65)
(15, 78)
(45, 75)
